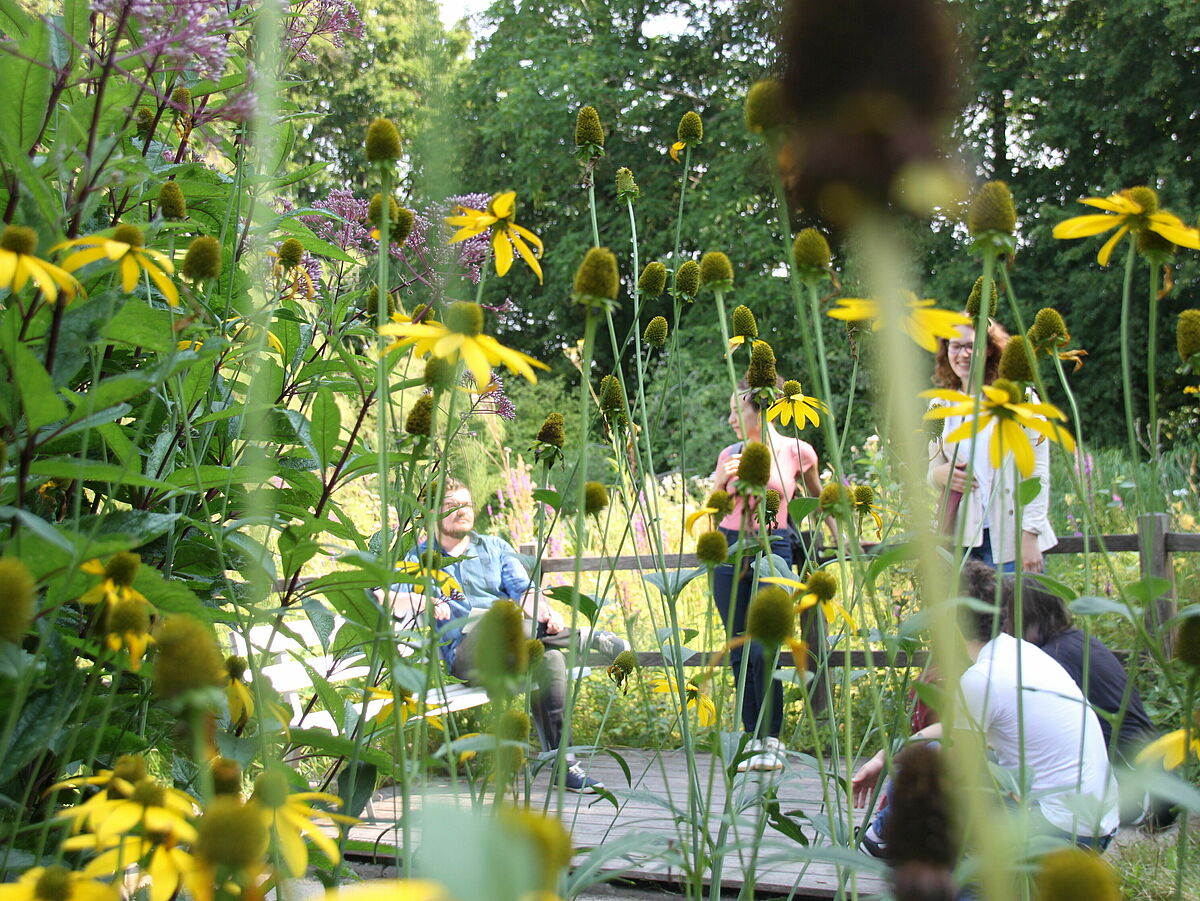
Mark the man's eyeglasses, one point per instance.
(957, 348)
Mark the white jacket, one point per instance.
(1001, 514)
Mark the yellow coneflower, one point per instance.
(127, 248)
(117, 584)
(461, 337)
(289, 818)
(1134, 209)
(18, 265)
(697, 700)
(506, 234)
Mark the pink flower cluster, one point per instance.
(331, 20)
(184, 35)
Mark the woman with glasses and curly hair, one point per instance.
(979, 506)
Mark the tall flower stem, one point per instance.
(1126, 365)
(589, 347)
(381, 370)
(1151, 387)
(1181, 846)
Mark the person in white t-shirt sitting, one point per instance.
(1052, 729)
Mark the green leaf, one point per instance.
(26, 72)
(136, 527)
(91, 470)
(549, 497)
(172, 596)
(801, 507)
(325, 425)
(673, 581)
(203, 478)
(889, 557)
(141, 325)
(1028, 490)
(39, 399)
(588, 606)
(1056, 588)
(364, 786)
(1093, 605)
(1146, 590)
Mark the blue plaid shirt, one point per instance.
(489, 571)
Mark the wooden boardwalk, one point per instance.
(649, 833)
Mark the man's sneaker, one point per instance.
(608, 644)
(754, 748)
(579, 781)
(771, 757)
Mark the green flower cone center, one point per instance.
(1146, 198)
(465, 318)
(129, 234)
(823, 585)
(148, 794)
(53, 885)
(271, 789)
(129, 615)
(19, 239)
(122, 568)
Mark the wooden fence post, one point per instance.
(1155, 562)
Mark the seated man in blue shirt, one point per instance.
(490, 571)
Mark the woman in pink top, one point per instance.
(793, 468)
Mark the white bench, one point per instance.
(293, 658)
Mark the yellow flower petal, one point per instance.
(1106, 251)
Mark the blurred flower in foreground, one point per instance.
(117, 584)
(923, 324)
(391, 890)
(795, 404)
(505, 233)
(819, 589)
(289, 818)
(1171, 749)
(706, 710)
(1136, 210)
(57, 884)
(126, 247)
(461, 336)
(1069, 873)
(1003, 403)
(18, 265)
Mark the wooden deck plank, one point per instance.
(594, 821)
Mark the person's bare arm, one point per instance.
(867, 776)
(408, 605)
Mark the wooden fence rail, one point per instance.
(1153, 543)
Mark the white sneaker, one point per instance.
(771, 757)
(754, 748)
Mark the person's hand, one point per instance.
(730, 467)
(441, 610)
(955, 476)
(401, 603)
(865, 778)
(1031, 556)
(552, 619)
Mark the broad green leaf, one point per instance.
(1028, 490)
(202, 478)
(94, 471)
(137, 526)
(1146, 590)
(325, 425)
(26, 73)
(141, 325)
(674, 580)
(39, 399)
(801, 507)
(565, 594)
(1093, 605)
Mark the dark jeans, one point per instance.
(760, 688)
(983, 554)
(550, 697)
